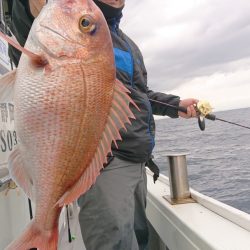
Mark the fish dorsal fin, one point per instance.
(7, 86)
(118, 116)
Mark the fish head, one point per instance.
(72, 29)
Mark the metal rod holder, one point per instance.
(178, 180)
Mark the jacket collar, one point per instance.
(114, 23)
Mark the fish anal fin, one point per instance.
(19, 174)
(116, 120)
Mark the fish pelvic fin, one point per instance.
(19, 173)
(33, 237)
(120, 114)
(7, 82)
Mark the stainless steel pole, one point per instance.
(178, 180)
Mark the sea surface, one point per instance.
(218, 158)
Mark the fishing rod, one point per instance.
(201, 120)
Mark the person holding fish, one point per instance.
(112, 208)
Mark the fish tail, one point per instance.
(34, 237)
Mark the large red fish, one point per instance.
(67, 113)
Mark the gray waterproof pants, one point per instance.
(112, 213)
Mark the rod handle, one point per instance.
(182, 109)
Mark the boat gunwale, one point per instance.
(228, 212)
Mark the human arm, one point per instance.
(161, 109)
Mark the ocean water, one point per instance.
(218, 158)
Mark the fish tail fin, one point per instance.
(33, 237)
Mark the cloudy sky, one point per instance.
(194, 48)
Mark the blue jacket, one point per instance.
(138, 142)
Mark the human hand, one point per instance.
(189, 104)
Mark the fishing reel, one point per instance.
(204, 109)
(201, 120)
(201, 123)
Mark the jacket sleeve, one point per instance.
(160, 109)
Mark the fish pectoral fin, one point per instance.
(37, 60)
(119, 114)
(19, 174)
(7, 86)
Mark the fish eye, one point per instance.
(86, 24)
